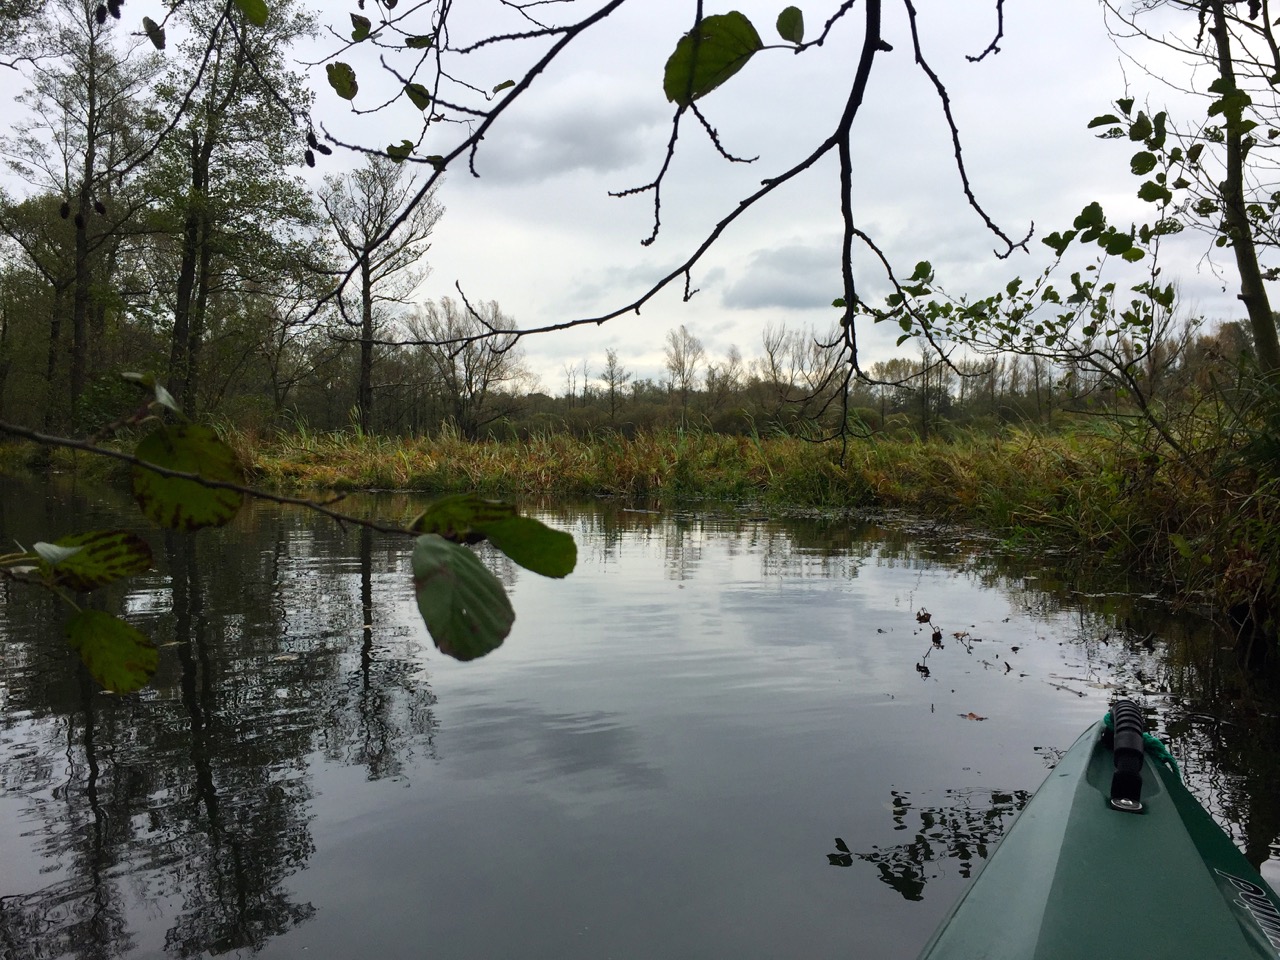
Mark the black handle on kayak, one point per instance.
(1127, 745)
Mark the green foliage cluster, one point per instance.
(185, 477)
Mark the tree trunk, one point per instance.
(364, 397)
(1235, 218)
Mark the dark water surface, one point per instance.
(655, 764)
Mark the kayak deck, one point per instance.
(1074, 877)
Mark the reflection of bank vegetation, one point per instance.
(962, 832)
(199, 786)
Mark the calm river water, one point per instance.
(656, 764)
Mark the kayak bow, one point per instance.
(1113, 857)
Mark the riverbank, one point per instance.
(1105, 494)
(1096, 493)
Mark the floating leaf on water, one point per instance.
(86, 561)
(185, 504)
(463, 604)
(120, 658)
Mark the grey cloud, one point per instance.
(581, 134)
(795, 276)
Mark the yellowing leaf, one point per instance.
(95, 559)
(187, 504)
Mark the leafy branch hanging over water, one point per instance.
(185, 477)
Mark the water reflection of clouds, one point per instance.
(582, 750)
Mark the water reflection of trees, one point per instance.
(192, 800)
(963, 830)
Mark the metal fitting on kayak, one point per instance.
(1127, 747)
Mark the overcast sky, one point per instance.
(538, 232)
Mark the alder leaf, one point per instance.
(120, 658)
(418, 94)
(185, 504)
(343, 79)
(534, 545)
(709, 55)
(791, 25)
(86, 561)
(463, 604)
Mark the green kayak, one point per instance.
(1113, 857)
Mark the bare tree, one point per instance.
(615, 380)
(477, 377)
(362, 207)
(684, 355)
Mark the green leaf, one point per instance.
(343, 79)
(400, 152)
(462, 517)
(420, 43)
(1105, 120)
(86, 561)
(419, 94)
(1091, 216)
(185, 504)
(1116, 243)
(120, 658)
(361, 27)
(709, 55)
(1141, 128)
(1059, 242)
(255, 11)
(155, 32)
(1154, 192)
(1125, 104)
(839, 302)
(1133, 255)
(463, 604)
(791, 25)
(470, 518)
(1142, 163)
(504, 85)
(534, 545)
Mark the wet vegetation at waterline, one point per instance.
(1110, 495)
(1206, 526)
